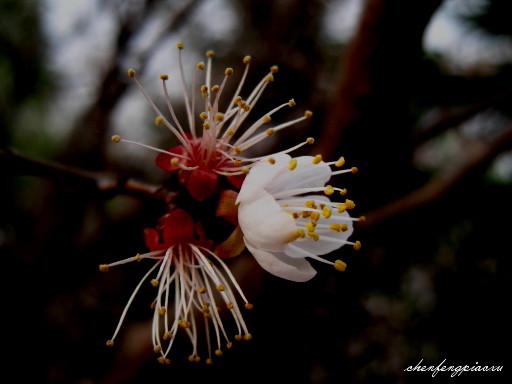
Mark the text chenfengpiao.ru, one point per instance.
(453, 370)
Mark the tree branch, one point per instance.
(17, 164)
(478, 156)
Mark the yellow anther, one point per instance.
(326, 212)
(247, 337)
(209, 53)
(269, 78)
(247, 107)
(220, 288)
(342, 208)
(215, 88)
(179, 45)
(310, 140)
(274, 69)
(315, 216)
(164, 360)
(328, 190)
(295, 215)
(184, 323)
(229, 345)
(200, 66)
(269, 132)
(202, 291)
(219, 116)
(218, 352)
(271, 160)
(247, 59)
(197, 359)
(157, 349)
(343, 191)
(292, 164)
(162, 311)
(131, 72)
(191, 358)
(349, 204)
(207, 315)
(340, 162)
(317, 159)
(164, 76)
(310, 226)
(305, 214)
(167, 336)
(137, 257)
(245, 170)
(335, 227)
(204, 89)
(103, 267)
(353, 169)
(357, 245)
(310, 204)
(209, 361)
(109, 343)
(237, 150)
(308, 114)
(362, 218)
(238, 337)
(300, 233)
(154, 283)
(228, 71)
(152, 305)
(229, 305)
(206, 125)
(249, 306)
(175, 161)
(291, 103)
(315, 236)
(340, 265)
(237, 100)
(237, 162)
(266, 119)
(116, 138)
(344, 227)
(158, 120)
(203, 115)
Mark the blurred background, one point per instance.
(417, 95)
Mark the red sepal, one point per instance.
(200, 183)
(163, 160)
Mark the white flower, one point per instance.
(284, 221)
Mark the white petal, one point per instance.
(265, 224)
(261, 175)
(305, 175)
(281, 265)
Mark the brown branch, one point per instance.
(477, 157)
(449, 120)
(16, 163)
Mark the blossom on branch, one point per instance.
(193, 287)
(212, 145)
(284, 220)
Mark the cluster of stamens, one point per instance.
(218, 143)
(201, 286)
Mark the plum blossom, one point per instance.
(212, 148)
(193, 285)
(285, 220)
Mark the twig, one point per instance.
(16, 163)
(450, 120)
(477, 157)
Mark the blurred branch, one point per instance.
(19, 164)
(449, 120)
(477, 157)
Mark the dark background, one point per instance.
(430, 131)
